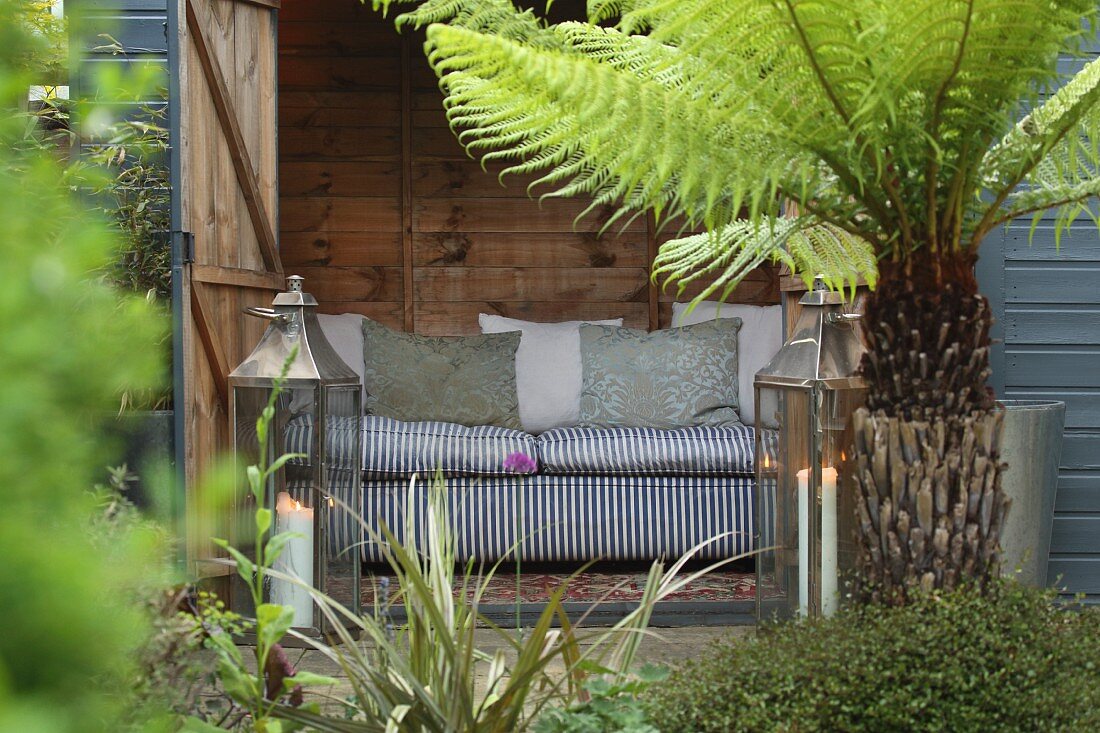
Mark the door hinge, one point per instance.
(185, 245)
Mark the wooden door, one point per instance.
(225, 188)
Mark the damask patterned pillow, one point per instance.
(469, 380)
(674, 378)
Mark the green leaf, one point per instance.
(255, 481)
(242, 687)
(275, 546)
(245, 567)
(263, 520)
(191, 724)
(308, 679)
(282, 460)
(272, 623)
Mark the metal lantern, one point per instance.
(317, 413)
(805, 510)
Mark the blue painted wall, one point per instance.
(1047, 303)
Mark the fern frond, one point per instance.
(598, 129)
(725, 256)
(499, 16)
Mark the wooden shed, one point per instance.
(309, 138)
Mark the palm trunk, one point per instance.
(926, 454)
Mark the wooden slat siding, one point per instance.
(373, 179)
(1051, 317)
(243, 166)
(225, 145)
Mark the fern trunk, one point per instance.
(926, 455)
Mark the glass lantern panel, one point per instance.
(835, 418)
(342, 496)
(785, 512)
(287, 493)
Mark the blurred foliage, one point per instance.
(955, 661)
(71, 345)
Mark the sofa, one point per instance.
(591, 489)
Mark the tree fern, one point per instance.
(883, 120)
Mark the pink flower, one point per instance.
(520, 463)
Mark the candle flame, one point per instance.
(331, 502)
(297, 505)
(767, 461)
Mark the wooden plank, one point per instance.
(341, 249)
(339, 178)
(340, 143)
(406, 187)
(465, 177)
(653, 290)
(512, 215)
(330, 284)
(501, 249)
(1081, 451)
(217, 275)
(1053, 326)
(267, 4)
(203, 314)
(760, 287)
(1078, 491)
(1075, 534)
(242, 164)
(326, 38)
(449, 284)
(1080, 244)
(388, 313)
(438, 142)
(318, 117)
(352, 11)
(1068, 284)
(349, 214)
(1037, 368)
(337, 72)
(1082, 407)
(389, 99)
(460, 318)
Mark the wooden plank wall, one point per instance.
(385, 215)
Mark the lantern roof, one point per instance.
(293, 323)
(824, 348)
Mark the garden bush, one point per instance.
(1012, 660)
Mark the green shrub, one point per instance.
(1011, 661)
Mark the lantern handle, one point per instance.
(269, 313)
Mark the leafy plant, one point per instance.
(1012, 660)
(66, 659)
(259, 689)
(610, 707)
(855, 139)
(426, 674)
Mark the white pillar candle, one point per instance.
(296, 559)
(830, 598)
(804, 541)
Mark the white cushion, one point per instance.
(345, 333)
(548, 369)
(760, 338)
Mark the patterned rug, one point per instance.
(590, 587)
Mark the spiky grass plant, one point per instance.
(902, 132)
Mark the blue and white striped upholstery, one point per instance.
(395, 449)
(696, 451)
(571, 518)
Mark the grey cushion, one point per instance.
(468, 380)
(678, 377)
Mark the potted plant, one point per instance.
(904, 133)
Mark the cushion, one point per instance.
(761, 336)
(469, 380)
(345, 333)
(677, 377)
(394, 449)
(548, 369)
(698, 451)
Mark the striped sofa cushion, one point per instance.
(395, 449)
(696, 451)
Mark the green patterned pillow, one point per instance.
(678, 377)
(469, 380)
